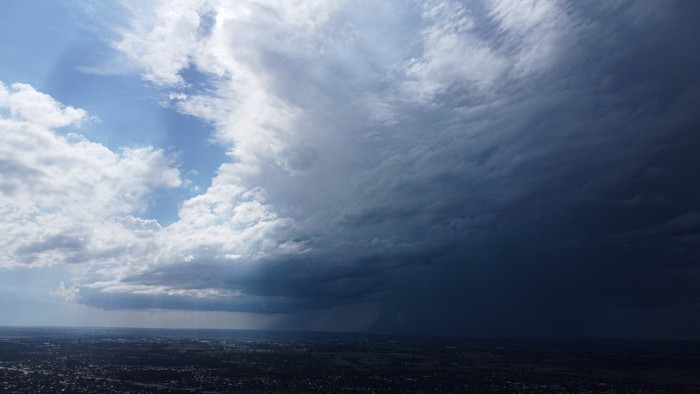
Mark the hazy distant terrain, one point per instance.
(125, 360)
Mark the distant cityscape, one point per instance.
(53, 360)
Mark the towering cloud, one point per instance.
(443, 166)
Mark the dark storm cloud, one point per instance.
(535, 204)
(612, 121)
(273, 286)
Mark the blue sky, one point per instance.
(495, 167)
(62, 50)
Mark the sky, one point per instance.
(484, 168)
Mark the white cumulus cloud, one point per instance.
(61, 195)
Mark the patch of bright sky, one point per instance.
(56, 48)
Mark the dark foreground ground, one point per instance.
(119, 360)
